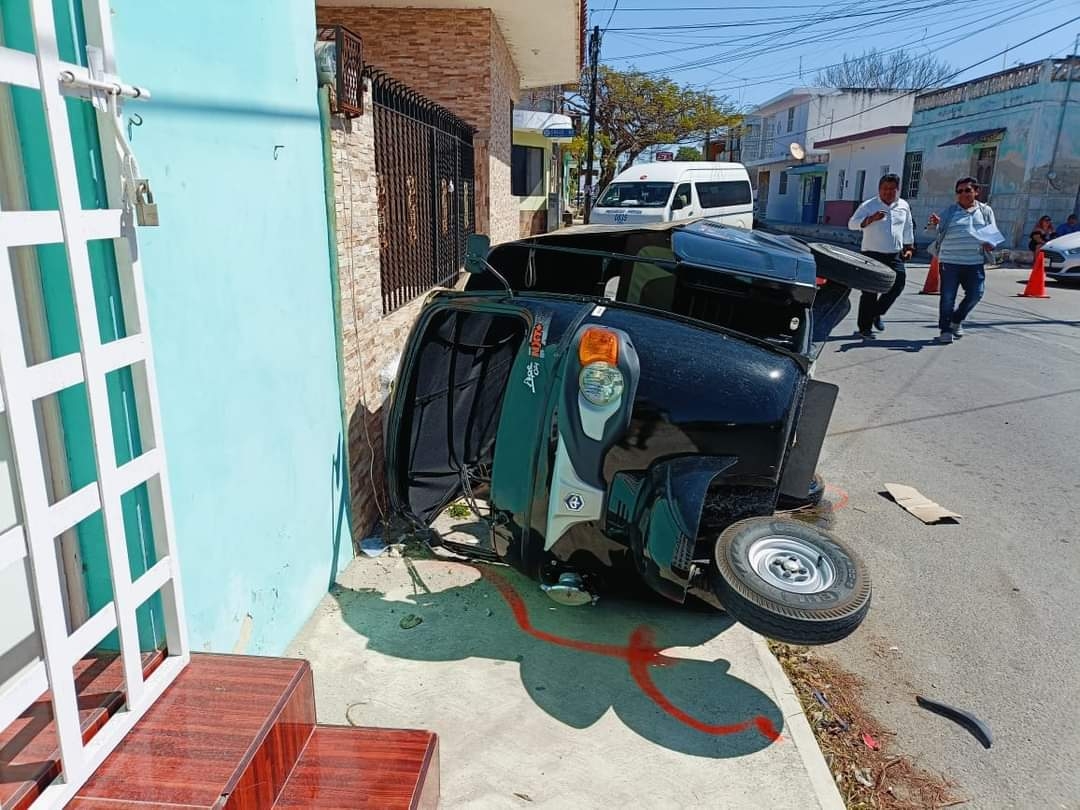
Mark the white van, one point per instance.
(670, 190)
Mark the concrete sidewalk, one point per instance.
(629, 703)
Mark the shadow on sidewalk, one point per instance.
(578, 663)
(893, 345)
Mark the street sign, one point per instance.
(665, 156)
(558, 132)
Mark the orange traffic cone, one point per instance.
(1036, 285)
(933, 279)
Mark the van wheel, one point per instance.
(851, 269)
(790, 581)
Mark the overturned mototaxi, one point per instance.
(619, 402)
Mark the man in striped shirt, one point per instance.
(962, 256)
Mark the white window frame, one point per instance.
(21, 385)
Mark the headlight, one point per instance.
(1073, 251)
(600, 383)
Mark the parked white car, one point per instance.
(668, 191)
(1062, 257)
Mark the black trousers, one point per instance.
(871, 305)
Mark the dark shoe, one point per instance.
(879, 324)
(867, 335)
(945, 337)
(958, 330)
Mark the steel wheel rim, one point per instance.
(791, 564)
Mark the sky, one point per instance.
(752, 52)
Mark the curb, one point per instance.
(821, 778)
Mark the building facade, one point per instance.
(856, 163)
(782, 144)
(470, 62)
(541, 130)
(1016, 131)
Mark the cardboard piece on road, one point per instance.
(920, 506)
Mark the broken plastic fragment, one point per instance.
(978, 729)
(871, 743)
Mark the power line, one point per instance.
(1019, 9)
(610, 17)
(830, 35)
(951, 76)
(770, 36)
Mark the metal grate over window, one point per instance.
(912, 175)
(426, 190)
(348, 64)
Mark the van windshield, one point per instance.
(636, 195)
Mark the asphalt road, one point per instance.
(984, 614)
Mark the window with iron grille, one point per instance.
(909, 190)
(343, 61)
(783, 183)
(790, 119)
(426, 190)
(983, 162)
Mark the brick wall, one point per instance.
(459, 59)
(369, 340)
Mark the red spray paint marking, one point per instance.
(840, 496)
(640, 654)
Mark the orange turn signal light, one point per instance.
(598, 346)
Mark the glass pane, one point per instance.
(63, 422)
(27, 181)
(45, 302)
(114, 321)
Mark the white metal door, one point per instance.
(22, 384)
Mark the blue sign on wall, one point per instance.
(558, 133)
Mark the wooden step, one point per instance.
(346, 768)
(29, 747)
(227, 734)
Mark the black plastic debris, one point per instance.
(976, 727)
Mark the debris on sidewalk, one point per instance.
(824, 701)
(373, 546)
(410, 621)
(978, 729)
(866, 772)
(920, 506)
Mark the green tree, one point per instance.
(689, 153)
(635, 111)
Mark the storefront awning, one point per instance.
(977, 136)
(553, 126)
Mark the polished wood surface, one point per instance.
(359, 768)
(29, 750)
(228, 725)
(231, 732)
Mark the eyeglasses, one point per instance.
(966, 190)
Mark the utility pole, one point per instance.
(594, 63)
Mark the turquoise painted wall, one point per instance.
(241, 308)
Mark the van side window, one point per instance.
(723, 193)
(682, 198)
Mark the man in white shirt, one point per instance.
(888, 236)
